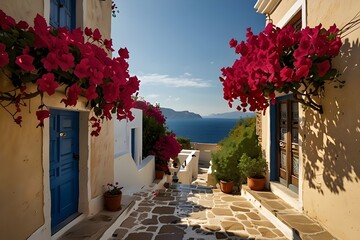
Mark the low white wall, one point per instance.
(205, 150)
(133, 177)
(190, 171)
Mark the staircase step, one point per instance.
(292, 222)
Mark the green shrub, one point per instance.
(185, 142)
(152, 130)
(252, 167)
(241, 140)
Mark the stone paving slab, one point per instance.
(302, 225)
(94, 227)
(194, 212)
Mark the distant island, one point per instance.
(172, 114)
(232, 115)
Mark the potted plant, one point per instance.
(224, 163)
(224, 167)
(254, 169)
(113, 197)
(159, 173)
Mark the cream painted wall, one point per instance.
(97, 14)
(29, 9)
(20, 175)
(24, 184)
(330, 141)
(102, 159)
(281, 10)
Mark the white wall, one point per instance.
(133, 177)
(122, 136)
(131, 173)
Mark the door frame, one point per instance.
(74, 129)
(44, 232)
(284, 192)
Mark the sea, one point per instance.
(202, 130)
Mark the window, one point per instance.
(62, 13)
(296, 21)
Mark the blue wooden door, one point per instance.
(64, 167)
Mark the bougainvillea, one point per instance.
(49, 58)
(151, 111)
(166, 147)
(281, 60)
(157, 140)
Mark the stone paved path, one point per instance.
(194, 212)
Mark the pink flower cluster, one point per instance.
(279, 60)
(50, 58)
(157, 140)
(167, 147)
(151, 111)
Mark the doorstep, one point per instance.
(103, 224)
(292, 222)
(95, 227)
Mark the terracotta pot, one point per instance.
(112, 202)
(256, 184)
(226, 186)
(159, 174)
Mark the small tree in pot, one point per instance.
(224, 165)
(242, 139)
(254, 169)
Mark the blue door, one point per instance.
(64, 167)
(62, 13)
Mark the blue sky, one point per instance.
(177, 48)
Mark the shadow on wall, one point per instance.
(331, 141)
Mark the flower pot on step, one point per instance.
(226, 186)
(256, 184)
(159, 174)
(112, 202)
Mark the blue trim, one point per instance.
(133, 143)
(274, 176)
(289, 96)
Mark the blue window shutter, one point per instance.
(54, 13)
(62, 13)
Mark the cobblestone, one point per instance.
(199, 213)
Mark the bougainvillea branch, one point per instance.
(156, 139)
(49, 58)
(282, 61)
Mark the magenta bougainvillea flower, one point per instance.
(47, 83)
(52, 58)
(25, 62)
(280, 60)
(41, 116)
(156, 139)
